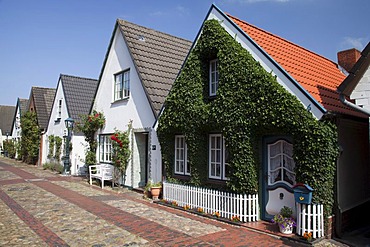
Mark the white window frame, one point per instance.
(122, 85)
(105, 148)
(213, 77)
(212, 158)
(281, 155)
(60, 102)
(181, 162)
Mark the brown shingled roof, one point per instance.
(158, 58)
(6, 118)
(43, 100)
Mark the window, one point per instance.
(181, 156)
(122, 85)
(213, 77)
(218, 157)
(105, 148)
(280, 163)
(60, 109)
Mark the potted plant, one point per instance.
(154, 188)
(285, 220)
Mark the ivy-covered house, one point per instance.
(251, 112)
(73, 98)
(139, 68)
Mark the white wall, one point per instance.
(16, 133)
(136, 107)
(361, 94)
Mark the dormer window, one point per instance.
(122, 85)
(213, 77)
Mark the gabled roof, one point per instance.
(43, 99)
(22, 105)
(158, 58)
(356, 73)
(6, 118)
(318, 75)
(79, 94)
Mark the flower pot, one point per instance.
(286, 230)
(155, 191)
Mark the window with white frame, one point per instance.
(60, 108)
(280, 163)
(105, 148)
(213, 77)
(182, 165)
(218, 157)
(122, 85)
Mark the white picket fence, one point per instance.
(310, 218)
(227, 204)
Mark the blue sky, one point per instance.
(41, 39)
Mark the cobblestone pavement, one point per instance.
(41, 208)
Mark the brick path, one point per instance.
(40, 208)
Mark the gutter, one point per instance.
(353, 106)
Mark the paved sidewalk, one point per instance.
(41, 208)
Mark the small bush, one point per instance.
(53, 166)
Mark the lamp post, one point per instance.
(69, 125)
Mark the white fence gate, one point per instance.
(310, 218)
(228, 205)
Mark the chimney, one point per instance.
(348, 58)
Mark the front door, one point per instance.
(278, 176)
(140, 159)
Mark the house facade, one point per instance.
(16, 132)
(254, 113)
(73, 98)
(139, 69)
(355, 93)
(40, 101)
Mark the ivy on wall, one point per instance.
(30, 140)
(249, 105)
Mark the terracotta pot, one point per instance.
(155, 191)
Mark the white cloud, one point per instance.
(157, 13)
(182, 10)
(350, 42)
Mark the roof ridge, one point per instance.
(147, 28)
(79, 77)
(43, 87)
(277, 36)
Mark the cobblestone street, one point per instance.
(41, 208)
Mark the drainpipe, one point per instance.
(353, 106)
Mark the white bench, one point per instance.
(103, 172)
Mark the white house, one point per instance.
(140, 66)
(73, 98)
(20, 108)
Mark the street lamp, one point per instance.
(69, 124)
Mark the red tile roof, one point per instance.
(316, 74)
